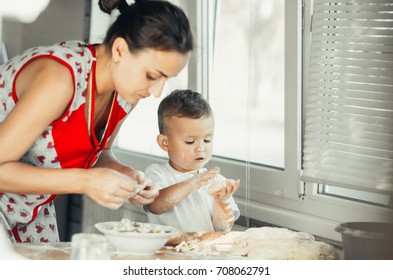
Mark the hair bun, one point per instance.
(123, 5)
(107, 6)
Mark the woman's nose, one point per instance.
(157, 88)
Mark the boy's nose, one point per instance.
(201, 147)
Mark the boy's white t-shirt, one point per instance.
(194, 213)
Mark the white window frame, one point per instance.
(275, 196)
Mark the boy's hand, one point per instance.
(202, 179)
(225, 192)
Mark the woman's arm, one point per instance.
(107, 187)
(44, 89)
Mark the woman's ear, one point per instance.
(162, 141)
(119, 49)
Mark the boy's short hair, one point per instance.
(184, 104)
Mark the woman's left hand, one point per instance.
(147, 192)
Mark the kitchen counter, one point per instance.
(62, 250)
(265, 243)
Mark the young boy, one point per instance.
(191, 198)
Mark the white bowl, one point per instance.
(134, 242)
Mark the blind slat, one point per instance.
(334, 86)
(345, 123)
(375, 63)
(356, 22)
(355, 71)
(350, 118)
(331, 46)
(339, 157)
(354, 102)
(333, 110)
(350, 57)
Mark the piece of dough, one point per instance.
(264, 243)
(271, 243)
(215, 187)
(193, 236)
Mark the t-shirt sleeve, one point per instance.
(154, 173)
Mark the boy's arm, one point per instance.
(223, 218)
(170, 196)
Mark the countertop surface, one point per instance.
(255, 243)
(62, 251)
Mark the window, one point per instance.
(248, 73)
(349, 106)
(254, 100)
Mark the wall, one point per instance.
(62, 20)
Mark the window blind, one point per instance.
(348, 107)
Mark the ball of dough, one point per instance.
(215, 187)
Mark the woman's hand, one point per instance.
(146, 190)
(109, 187)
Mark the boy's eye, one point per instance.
(207, 141)
(189, 142)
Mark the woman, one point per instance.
(62, 105)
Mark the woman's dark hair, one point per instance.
(184, 104)
(155, 24)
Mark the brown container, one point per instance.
(367, 240)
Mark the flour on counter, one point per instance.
(212, 243)
(265, 243)
(271, 243)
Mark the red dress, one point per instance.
(64, 144)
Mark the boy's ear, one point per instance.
(162, 141)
